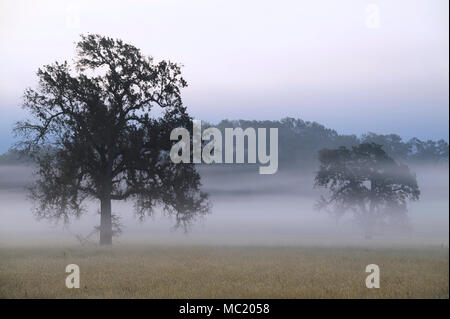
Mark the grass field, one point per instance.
(224, 272)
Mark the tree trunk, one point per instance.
(369, 229)
(105, 221)
(371, 218)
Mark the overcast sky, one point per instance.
(346, 64)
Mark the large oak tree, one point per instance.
(100, 128)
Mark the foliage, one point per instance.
(365, 181)
(107, 145)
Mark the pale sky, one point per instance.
(316, 60)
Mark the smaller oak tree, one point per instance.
(365, 181)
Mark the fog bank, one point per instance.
(248, 209)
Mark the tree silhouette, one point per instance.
(365, 181)
(101, 142)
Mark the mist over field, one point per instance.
(113, 108)
(248, 209)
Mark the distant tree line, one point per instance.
(300, 141)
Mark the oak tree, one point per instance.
(365, 181)
(100, 129)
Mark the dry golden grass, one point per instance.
(224, 272)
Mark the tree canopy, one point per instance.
(365, 181)
(300, 141)
(107, 141)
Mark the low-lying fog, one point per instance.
(248, 208)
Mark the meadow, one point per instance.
(201, 271)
